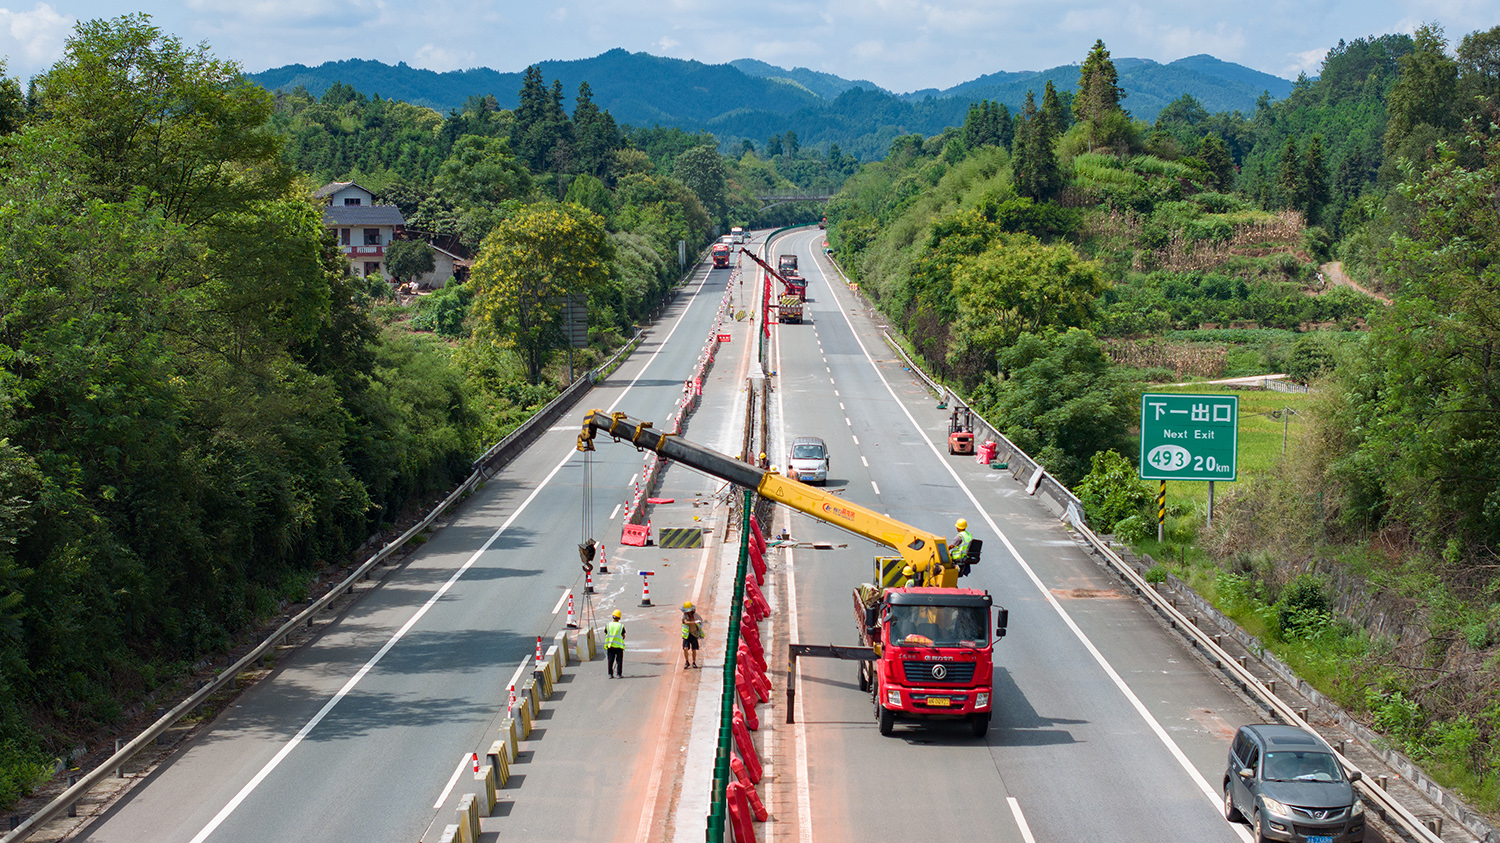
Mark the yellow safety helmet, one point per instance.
(908, 572)
(762, 454)
(616, 614)
(688, 606)
(961, 524)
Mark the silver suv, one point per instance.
(1288, 784)
(808, 460)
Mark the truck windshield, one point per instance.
(939, 626)
(807, 452)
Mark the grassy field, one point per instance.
(1260, 436)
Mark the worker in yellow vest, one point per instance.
(614, 646)
(692, 630)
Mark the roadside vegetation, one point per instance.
(1052, 267)
(201, 409)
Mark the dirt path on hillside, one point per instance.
(1333, 271)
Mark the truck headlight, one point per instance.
(892, 698)
(981, 700)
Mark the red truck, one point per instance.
(721, 255)
(925, 650)
(930, 654)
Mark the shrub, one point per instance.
(1302, 611)
(1112, 490)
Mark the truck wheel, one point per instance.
(887, 721)
(979, 724)
(864, 681)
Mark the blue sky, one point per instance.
(902, 45)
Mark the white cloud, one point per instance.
(33, 41)
(873, 49)
(1307, 61)
(442, 59)
(667, 43)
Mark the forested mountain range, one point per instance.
(755, 100)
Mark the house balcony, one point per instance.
(375, 252)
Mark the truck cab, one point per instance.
(934, 655)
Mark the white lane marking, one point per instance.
(799, 731)
(406, 627)
(633, 478)
(846, 421)
(1015, 809)
(563, 598)
(1109, 671)
(835, 393)
(462, 763)
(863, 460)
(855, 438)
(877, 486)
(841, 405)
(615, 511)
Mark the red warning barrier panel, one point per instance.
(757, 598)
(635, 535)
(747, 700)
(746, 748)
(758, 562)
(739, 813)
(756, 807)
(756, 659)
(757, 535)
(751, 680)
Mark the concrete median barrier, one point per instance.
(500, 759)
(468, 819)
(562, 650)
(532, 695)
(508, 729)
(449, 835)
(587, 648)
(523, 720)
(484, 790)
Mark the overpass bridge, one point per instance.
(771, 200)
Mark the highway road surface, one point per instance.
(1105, 726)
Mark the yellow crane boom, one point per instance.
(925, 552)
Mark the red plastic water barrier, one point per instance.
(751, 633)
(739, 813)
(660, 500)
(751, 674)
(747, 700)
(757, 598)
(758, 563)
(760, 538)
(756, 659)
(756, 807)
(635, 535)
(746, 748)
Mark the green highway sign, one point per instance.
(1189, 437)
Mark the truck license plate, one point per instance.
(942, 702)
(1320, 838)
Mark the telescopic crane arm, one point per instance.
(786, 285)
(925, 552)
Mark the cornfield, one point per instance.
(1183, 359)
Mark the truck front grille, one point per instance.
(944, 673)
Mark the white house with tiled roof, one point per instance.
(363, 228)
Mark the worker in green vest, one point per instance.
(692, 631)
(958, 549)
(614, 646)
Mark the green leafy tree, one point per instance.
(988, 124)
(1099, 92)
(1060, 399)
(1216, 158)
(1418, 417)
(1479, 69)
(1019, 285)
(1291, 176)
(1423, 95)
(527, 267)
(1315, 190)
(1112, 491)
(702, 170)
(480, 180)
(1035, 168)
(1052, 109)
(148, 112)
(407, 260)
(595, 133)
(12, 102)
